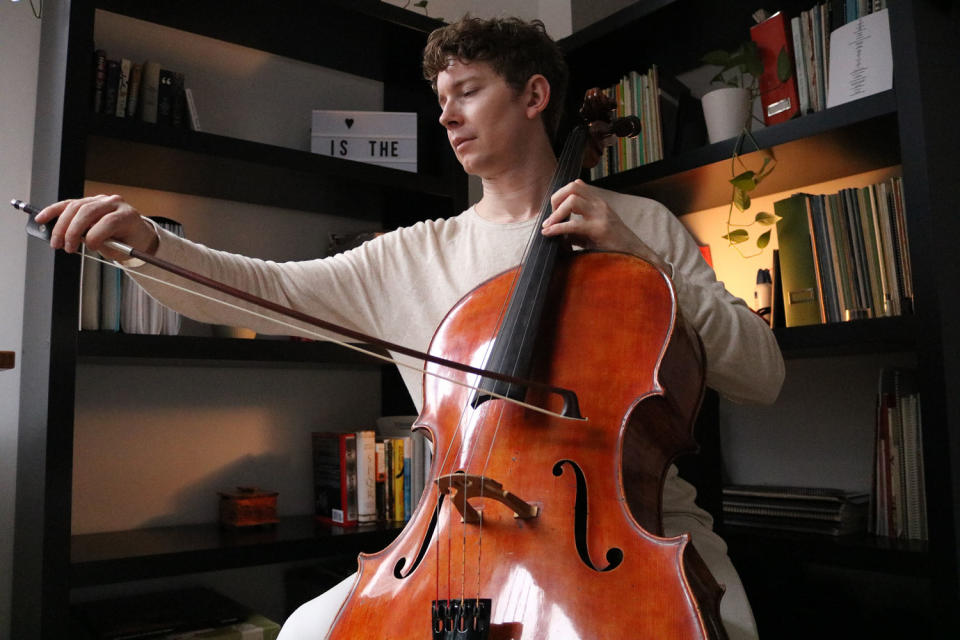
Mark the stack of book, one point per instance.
(845, 255)
(899, 504)
(110, 300)
(810, 33)
(370, 475)
(144, 91)
(804, 509)
(671, 121)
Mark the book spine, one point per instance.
(99, 79)
(397, 480)
(165, 90)
(110, 87)
(133, 94)
(798, 275)
(779, 100)
(334, 477)
(366, 476)
(150, 88)
(407, 477)
(123, 88)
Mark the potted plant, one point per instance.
(728, 112)
(728, 108)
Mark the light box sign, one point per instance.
(386, 138)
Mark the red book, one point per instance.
(335, 477)
(780, 100)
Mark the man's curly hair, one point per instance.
(516, 50)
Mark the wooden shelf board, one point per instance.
(104, 558)
(128, 152)
(846, 338)
(857, 551)
(852, 138)
(120, 348)
(358, 36)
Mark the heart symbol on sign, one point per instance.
(349, 122)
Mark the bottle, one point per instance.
(762, 294)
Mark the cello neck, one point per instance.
(512, 351)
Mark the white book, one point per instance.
(123, 89)
(89, 291)
(192, 109)
(110, 293)
(366, 476)
(800, 66)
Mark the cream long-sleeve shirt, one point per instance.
(399, 287)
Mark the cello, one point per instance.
(533, 526)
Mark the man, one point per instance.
(499, 84)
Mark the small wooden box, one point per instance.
(248, 507)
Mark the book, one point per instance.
(123, 88)
(111, 286)
(779, 99)
(799, 65)
(192, 113)
(797, 267)
(150, 86)
(140, 313)
(111, 86)
(821, 510)
(165, 97)
(89, 291)
(899, 495)
(366, 476)
(335, 477)
(99, 79)
(133, 95)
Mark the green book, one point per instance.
(798, 275)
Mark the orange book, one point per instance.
(780, 100)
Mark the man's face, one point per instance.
(483, 115)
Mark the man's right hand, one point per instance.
(96, 219)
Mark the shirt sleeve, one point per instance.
(338, 289)
(744, 362)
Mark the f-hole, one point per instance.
(424, 544)
(614, 555)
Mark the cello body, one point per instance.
(553, 523)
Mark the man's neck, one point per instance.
(516, 194)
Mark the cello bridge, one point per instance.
(470, 486)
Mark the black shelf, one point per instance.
(851, 138)
(121, 348)
(362, 37)
(875, 335)
(130, 152)
(855, 551)
(118, 556)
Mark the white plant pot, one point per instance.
(726, 111)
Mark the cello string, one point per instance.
(534, 250)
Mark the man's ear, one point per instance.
(537, 95)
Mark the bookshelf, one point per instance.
(910, 127)
(373, 41)
(906, 126)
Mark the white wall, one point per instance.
(19, 47)
(554, 13)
